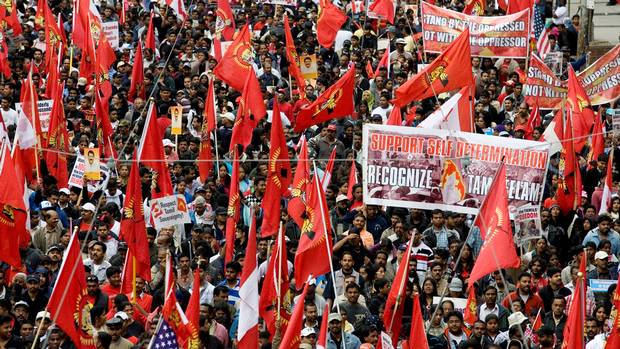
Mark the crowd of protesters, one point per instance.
(369, 241)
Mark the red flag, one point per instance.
(13, 214)
(58, 142)
(533, 121)
(292, 57)
(474, 7)
(41, 14)
(417, 334)
(329, 22)
(608, 186)
(291, 338)
(573, 330)
(151, 154)
(209, 113)
(149, 40)
(297, 204)
(493, 220)
(335, 103)
(369, 70)
(314, 251)
(392, 315)
(598, 142)
(193, 306)
(105, 132)
(395, 118)
(30, 101)
(247, 332)
(321, 342)
(278, 175)
(275, 286)
(133, 227)
(383, 9)
(385, 59)
(81, 11)
(5, 68)
(450, 71)
(136, 89)
(470, 314)
(68, 304)
(235, 65)
(581, 110)
(613, 341)
(568, 193)
(87, 64)
(234, 207)
(205, 155)
(225, 21)
(8, 15)
(515, 6)
(187, 334)
(329, 169)
(105, 57)
(352, 180)
(251, 111)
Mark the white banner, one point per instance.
(77, 176)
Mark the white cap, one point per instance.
(43, 314)
(168, 143)
(307, 331)
(65, 191)
(401, 41)
(229, 116)
(601, 255)
(516, 319)
(122, 315)
(341, 197)
(88, 207)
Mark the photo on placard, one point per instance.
(308, 67)
(92, 171)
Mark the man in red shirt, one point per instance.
(524, 292)
(112, 286)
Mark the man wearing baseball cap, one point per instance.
(335, 336)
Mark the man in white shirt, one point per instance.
(9, 116)
(96, 261)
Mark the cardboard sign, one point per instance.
(45, 110)
(176, 113)
(111, 33)
(92, 170)
(600, 285)
(459, 303)
(615, 122)
(169, 211)
(527, 224)
(554, 61)
(77, 176)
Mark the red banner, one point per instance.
(541, 86)
(502, 36)
(601, 79)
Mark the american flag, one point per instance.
(165, 338)
(542, 45)
(538, 24)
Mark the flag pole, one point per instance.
(279, 262)
(329, 252)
